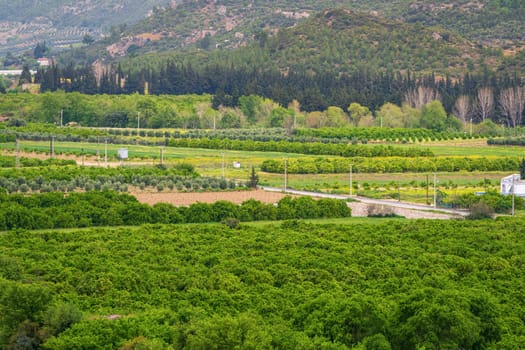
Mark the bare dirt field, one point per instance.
(184, 199)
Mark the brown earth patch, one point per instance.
(187, 198)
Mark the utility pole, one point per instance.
(351, 182)
(105, 152)
(17, 148)
(427, 191)
(285, 175)
(52, 147)
(138, 123)
(61, 117)
(223, 165)
(513, 207)
(161, 155)
(471, 126)
(435, 194)
(358, 181)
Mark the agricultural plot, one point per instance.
(456, 177)
(388, 284)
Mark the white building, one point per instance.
(43, 62)
(513, 184)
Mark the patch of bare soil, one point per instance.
(187, 198)
(361, 209)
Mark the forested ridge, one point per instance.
(371, 285)
(209, 25)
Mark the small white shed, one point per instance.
(513, 184)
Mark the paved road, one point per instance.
(366, 200)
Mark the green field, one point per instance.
(365, 284)
(475, 147)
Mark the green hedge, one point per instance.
(10, 162)
(314, 148)
(379, 134)
(391, 165)
(56, 210)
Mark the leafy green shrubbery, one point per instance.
(492, 201)
(382, 134)
(398, 284)
(46, 176)
(390, 165)
(10, 162)
(507, 141)
(57, 210)
(314, 148)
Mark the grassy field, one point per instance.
(460, 148)
(474, 147)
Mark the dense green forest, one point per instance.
(345, 41)
(370, 285)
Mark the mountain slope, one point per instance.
(226, 24)
(24, 23)
(229, 23)
(344, 41)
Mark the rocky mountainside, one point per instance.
(230, 24)
(491, 28)
(60, 23)
(342, 41)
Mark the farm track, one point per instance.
(408, 210)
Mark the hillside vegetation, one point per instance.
(232, 23)
(343, 41)
(165, 25)
(347, 40)
(24, 23)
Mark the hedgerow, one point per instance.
(313, 148)
(107, 208)
(391, 165)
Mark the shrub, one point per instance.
(380, 211)
(480, 210)
(231, 222)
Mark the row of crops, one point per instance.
(391, 165)
(384, 134)
(181, 177)
(119, 184)
(10, 162)
(323, 135)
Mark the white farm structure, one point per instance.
(513, 184)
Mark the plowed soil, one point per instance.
(185, 199)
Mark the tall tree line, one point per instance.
(472, 97)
